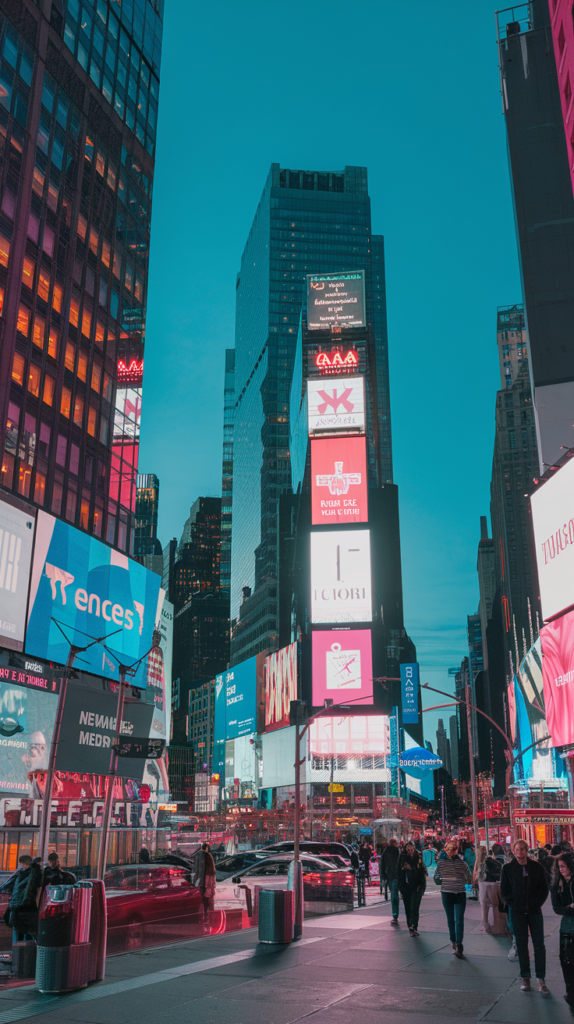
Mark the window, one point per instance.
(44, 284)
(82, 227)
(34, 380)
(61, 448)
(39, 488)
(96, 377)
(57, 490)
(28, 272)
(44, 443)
(66, 402)
(86, 322)
(117, 265)
(23, 324)
(106, 253)
(18, 368)
(99, 334)
(74, 311)
(24, 479)
(92, 421)
(107, 391)
(57, 297)
(71, 505)
(78, 410)
(74, 459)
(48, 240)
(4, 251)
(38, 331)
(53, 342)
(84, 514)
(49, 385)
(512, 438)
(7, 471)
(82, 366)
(70, 356)
(94, 241)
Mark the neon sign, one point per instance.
(131, 373)
(329, 362)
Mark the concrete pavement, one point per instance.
(347, 966)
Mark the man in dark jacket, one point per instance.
(524, 887)
(390, 871)
(55, 874)
(22, 911)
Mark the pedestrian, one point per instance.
(562, 895)
(469, 855)
(412, 881)
(498, 853)
(22, 911)
(390, 866)
(143, 856)
(365, 854)
(524, 888)
(486, 875)
(203, 876)
(55, 874)
(453, 876)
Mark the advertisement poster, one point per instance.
(16, 540)
(280, 684)
(88, 728)
(557, 639)
(158, 693)
(238, 692)
(336, 405)
(82, 589)
(410, 693)
(351, 734)
(27, 719)
(341, 576)
(339, 480)
(342, 666)
(336, 300)
(553, 522)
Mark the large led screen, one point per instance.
(27, 719)
(336, 300)
(339, 480)
(553, 521)
(353, 734)
(342, 666)
(557, 640)
(80, 590)
(236, 694)
(280, 681)
(336, 404)
(341, 576)
(16, 540)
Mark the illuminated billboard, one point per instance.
(27, 719)
(553, 521)
(352, 734)
(339, 480)
(557, 639)
(82, 589)
(341, 576)
(280, 682)
(336, 405)
(236, 701)
(16, 540)
(336, 300)
(342, 666)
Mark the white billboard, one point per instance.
(16, 539)
(341, 576)
(336, 404)
(553, 521)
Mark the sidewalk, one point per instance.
(346, 966)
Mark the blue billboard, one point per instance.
(236, 701)
(80, 589)
(410, 693)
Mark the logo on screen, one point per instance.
(335, 400)
(342, 669)
(338, 482)
(92, 603)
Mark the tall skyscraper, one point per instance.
(563, 36)
(486, 568)
(147, 548)
(78, 112)
(442, 746)
(306, 222)
(453, 737)
(227, 471)
(540, 159)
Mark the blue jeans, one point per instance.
(395, 897)
(521, 924)
(454, 904)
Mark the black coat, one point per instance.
(562, 896)
(412, 873)
(524, 895)
(390, 863)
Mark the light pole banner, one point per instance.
(410, 693)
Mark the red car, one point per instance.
(149, 904)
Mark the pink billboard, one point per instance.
(342, 666)
(351, 734)
(557, 640)
(339, 480)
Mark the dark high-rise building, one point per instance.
(453, 737)
(227, 471)
(167, 577)
(442, 746)
(306, 222)
(147, 548)
(201, 619)
(544, 209)
(78, 115)
(486, 568)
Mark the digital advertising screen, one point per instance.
(82, 589)
(342, 666)
(410, 693)
(352, 734)
(16, 541)
(336, 300)
(553, 522)
(280, 682)
(238, 691)
(336, 404)
(27, 718)
(557, 641)
(341, 576)
(339, 480)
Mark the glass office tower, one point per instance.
(79, 85)
(306, 222)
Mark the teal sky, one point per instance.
(411, 91)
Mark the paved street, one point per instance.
(351, 966)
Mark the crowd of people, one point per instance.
(26, 888)
(512, 885)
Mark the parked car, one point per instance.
(322, 881)
(316, 848)
(237, 863)
(149, 904)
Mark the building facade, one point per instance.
(78, 114)
(306, 222)
(227, 471)
(147, 548)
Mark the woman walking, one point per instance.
(412, 875)
(562, 896)
(452, 875)
(486, 875)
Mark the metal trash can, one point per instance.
(276, 915)
(98, 931)
(63, 938)
(24, 959)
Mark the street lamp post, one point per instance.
(472, 766)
